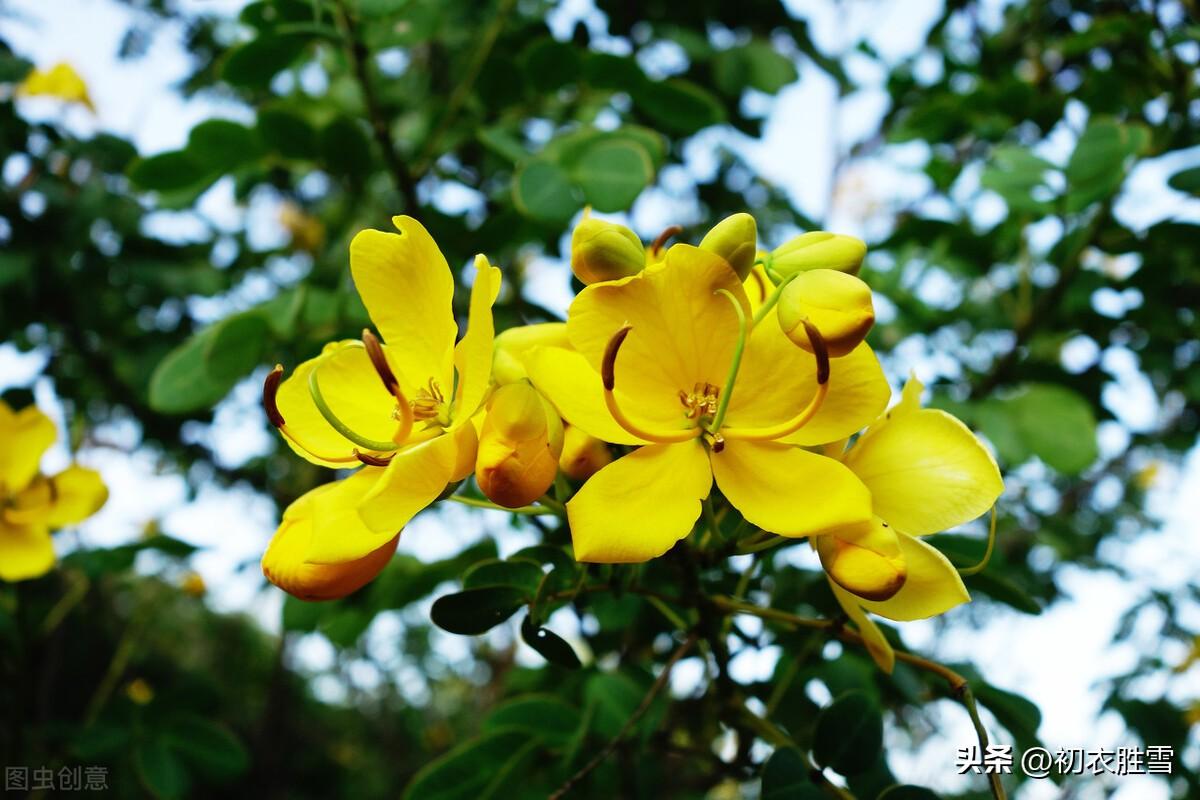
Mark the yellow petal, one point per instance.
(777, 379)
(788, 490)
(352, 390)
(514, 345)
(61, 81)
(575, 389)
(933, 585)
(865, 560)
(26, 435)
(414, 479)
(407, 287)
(583, 455)
(877, 644)
(473, 356)
(682, 332)
(25, 551)
(758, 284)
(286, 565)
(639, 506)
(516, 461)
(926, 471)
(79, 492)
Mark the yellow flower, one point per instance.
(61, 81)
(926, 473)
(652, 361)
(32, 504)
(519, 446)
(306, 231)
(402, 407)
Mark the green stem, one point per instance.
(773, 298)
(314, 389)
(712, 529)
(770, 732)
(987, 555)
(735, 364)
(968, 700)
(475, 503)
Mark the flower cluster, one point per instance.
(33, 504)
(679, 370)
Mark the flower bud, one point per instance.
(867, 561)
(519, 446)
(511, 346)
(583, 455)
(605, 251)
(285, 563)
(838, 305)
(734, 239)
(818, 250)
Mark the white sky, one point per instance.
(1055, 659)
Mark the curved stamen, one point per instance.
(735, 364)
(372, 460)
(673, 230)
(270, 389)
(987, 555)
(608, 376)
(314, 390)
(797, 422)
(384, 369)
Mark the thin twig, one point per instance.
(641, 710)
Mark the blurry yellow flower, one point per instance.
(306, 231)
(139, 691)
(519, 446)
(403, 407)
(1147, 476)
(61, 81)
(926, 473)
(32, 504)
(677, 336)
(193, 584)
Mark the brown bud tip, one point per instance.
(663, 237)
(379, 361)
(372, 461)
(610, 357)
(270, 389)
(819, 350)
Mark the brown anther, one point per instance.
(379, 361)
(607, 374)
(718, 443)
(673, 230)
(270, 389)
(819, 350)
(371, 460)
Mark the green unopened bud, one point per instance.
(605, 251)
(818, 250)
(838, 305)
(734, 239)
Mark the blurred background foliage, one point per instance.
(418, 104)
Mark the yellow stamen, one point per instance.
(608, 376)
(270, 389)
(404, 411)
(788, 427)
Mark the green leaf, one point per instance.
(679, 106)
(201, 371)
(222, 145)
(253, 64)
(235, 346)
(1016, 174)
(849, 734)
(468, 770)
(541, 191)
(1187, 180)
(1020, 716)
(209, 748)
(552, 647)
(15, 267)
(542, 716)
(756, 65)
(518, 573)
(287, 133)
(1057, 424)
(786, 777)
(160, 770)
(345, 148)
(476, 611)
(1097, 166)
(612, 174)
(549, 64)
(172, 171)
(614, 698)
(1002, 589)
(907, 792)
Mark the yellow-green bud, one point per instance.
(838, 305)
(734, 239)
(605, 251)
(818, 250)
(583, 455)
